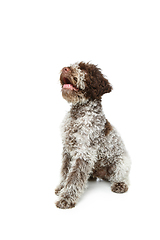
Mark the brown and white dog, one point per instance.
(92, 148)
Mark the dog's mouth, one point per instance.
(68, 85)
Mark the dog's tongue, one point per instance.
(69, 86)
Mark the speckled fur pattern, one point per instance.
(92, 148)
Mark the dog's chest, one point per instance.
(78, 131)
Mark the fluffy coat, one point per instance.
(92, 148)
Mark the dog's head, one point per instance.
(82, 82)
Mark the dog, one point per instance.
(92, 148)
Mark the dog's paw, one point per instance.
(65, 204)
(58, 189)
(120, 187)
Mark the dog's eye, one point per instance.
(84, 72)
(75, 79)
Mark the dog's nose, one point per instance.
(66, 69)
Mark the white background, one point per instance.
(37, 39)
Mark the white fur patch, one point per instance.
(80, 76)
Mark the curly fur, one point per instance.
(92, 148)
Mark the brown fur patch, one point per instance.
(108, 127)
(96, 83)
(103, 172)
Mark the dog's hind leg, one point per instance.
(119, 179)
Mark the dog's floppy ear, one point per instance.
(104, 86)
(97, 84)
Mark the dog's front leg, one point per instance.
(64, 170)
(75, 183)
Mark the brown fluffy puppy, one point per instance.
(92, 148)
